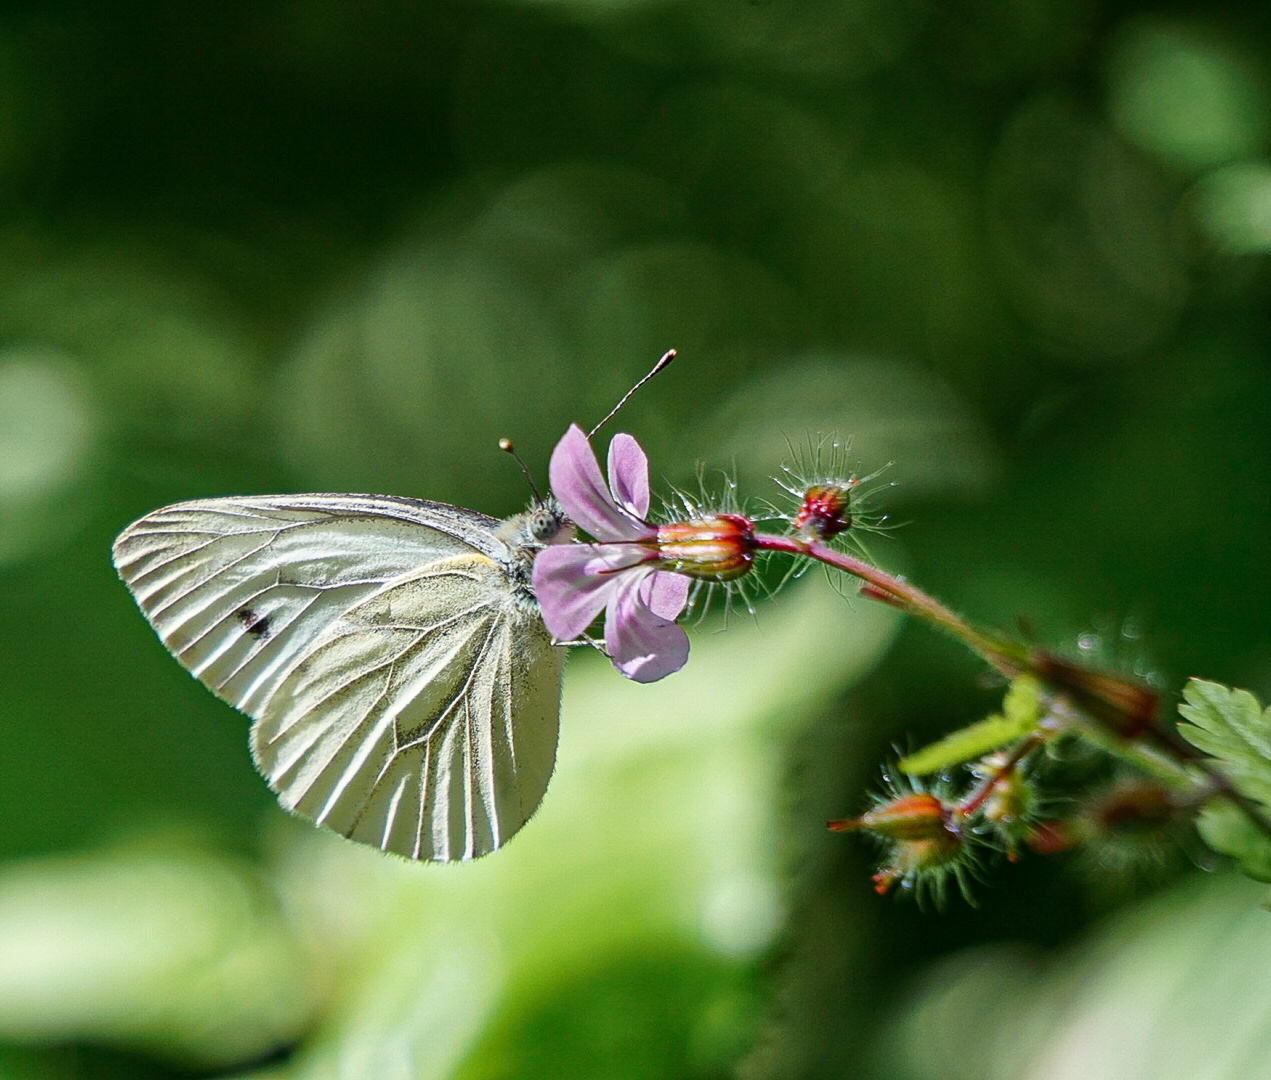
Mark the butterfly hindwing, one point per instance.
(424, 721)
(401, 695)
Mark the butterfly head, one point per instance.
(528, 533)
(541, 524)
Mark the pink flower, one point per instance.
(619, 574)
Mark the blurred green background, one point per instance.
(1016, 248)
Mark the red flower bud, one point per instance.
(825, 510)
(924, 848)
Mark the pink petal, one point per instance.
(642, 645)
(577, 483)
(629, 475)
(570, 597)
(665, 593)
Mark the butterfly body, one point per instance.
(390, 651)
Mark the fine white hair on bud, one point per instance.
(716, 499)
(832, 500)
(925, 846)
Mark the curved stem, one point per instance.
(1012, 659)
(1006, 656)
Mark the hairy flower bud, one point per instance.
(911, 859)
(1009, 806)
(923, 843)
(919, 816)
(825, 510)
(1011, 798)
(717, 548)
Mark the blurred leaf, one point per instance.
(1186, 95)
(21, 1063)
(1083, 234)
(1233, 207)
(743, 147)
(890, 410)
(49, 430)
(963, 745)
(725, 312)
(157, 947)
(1171, 990)
(369, 399)
(1022, 704)
(1230, 726)
(987, 41)
(1227, 829)
(167, 359)
(652, 874)
(796, 39)
(669, 1011)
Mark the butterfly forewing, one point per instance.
(402, 697)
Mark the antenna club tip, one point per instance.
(505, 444)
(665, 359)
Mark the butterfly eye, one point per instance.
(544, 522)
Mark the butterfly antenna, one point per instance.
(506, 446)
(667, 357)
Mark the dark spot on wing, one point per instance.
(256, 625)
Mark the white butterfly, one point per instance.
(391, 652)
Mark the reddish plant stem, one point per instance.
(1007, 657)
(984, 789)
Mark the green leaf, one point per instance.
(1019, 715)
(1021, 705)
(1228, 830)
(648, 966)
(159, 946)
(1168, 989)
(1231, 727)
